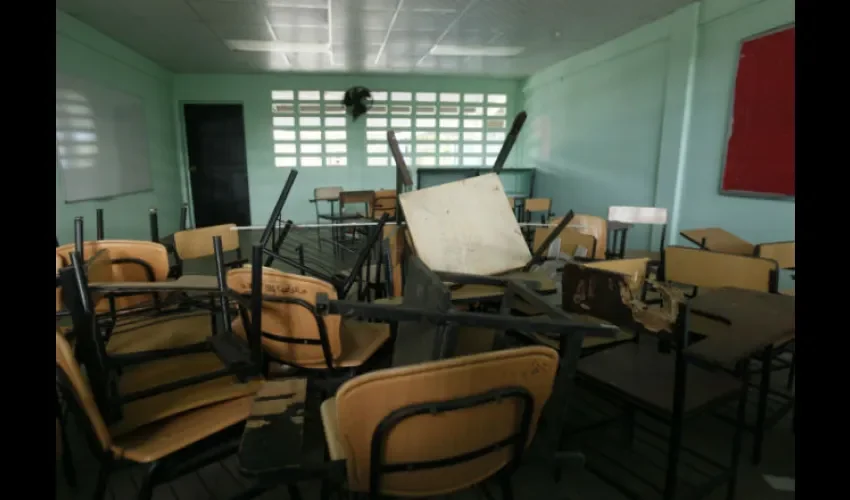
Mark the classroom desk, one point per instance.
(751, 321)
(718, 240)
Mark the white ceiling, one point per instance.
(188, 36)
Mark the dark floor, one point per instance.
(603, 447)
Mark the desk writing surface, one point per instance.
(755, 321)
(465, 227)
(719, 240)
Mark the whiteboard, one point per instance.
(101, 141)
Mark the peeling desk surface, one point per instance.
(750, 321)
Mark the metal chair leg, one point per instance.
(761, 412)
(102, 480)
(507, 489)
(740, 426)
(294, 492)
(791, 370)
(148, 482)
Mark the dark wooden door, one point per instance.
(218, 166)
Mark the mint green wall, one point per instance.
(81, 51)
(264, 179)
(642, 120)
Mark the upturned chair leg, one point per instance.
(507, 489)
(148, 482)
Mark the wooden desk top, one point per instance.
(755, 321)
(719, 240)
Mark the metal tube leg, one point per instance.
(102, 479)
(792, 371)
(67, 459)
(146, 488)
(740, 426)
(507, 490)
(676, 424)
(294, 492)
(761, 413)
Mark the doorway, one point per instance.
(218, 165)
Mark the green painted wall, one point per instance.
(642, 120)
(81, 51)
(264, 179)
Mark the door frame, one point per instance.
(183, 141)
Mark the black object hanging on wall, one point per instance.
(357, 101)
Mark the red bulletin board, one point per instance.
(760, 151)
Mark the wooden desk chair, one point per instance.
(172, 446)
(283, 315)
(131, 261)
(148, 315)
(153, 380)
(641, 378)
(718, 240)
(703, 269)
(572, 242)
(438, 427)
(197, 243)
(594, 226)
(641, 215)
(542, 206)
(330, 195)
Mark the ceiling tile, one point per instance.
(227, 31)
(187, 35)
(306, 34)
(143, 9)
(297, 16)
(229, 12)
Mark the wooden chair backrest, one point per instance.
(633, 269)
(538, 205)
(153, 254)
(708, 269)
(571, 239)
(511, 202)
(638, 215)
(197, 243)
(288, 319)
(362, 402)
(327, 193)
(592, 225)
(783, 253)
(719, 240)
(65, 361)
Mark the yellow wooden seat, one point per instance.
(351, 342)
